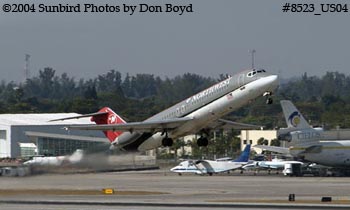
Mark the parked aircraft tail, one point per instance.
(109, 117)
(298, 129)
(294, 118)
(244, 157)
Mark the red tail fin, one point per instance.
(109, 118)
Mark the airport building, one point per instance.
(23, 135)
(252, 137)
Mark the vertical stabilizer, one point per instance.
(244, 157)
(109, 118)
(294, 118)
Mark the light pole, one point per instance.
(252, 52)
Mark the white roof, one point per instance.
(64, 136)
(41, 119)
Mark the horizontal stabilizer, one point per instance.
(80, 116)
(282, 150)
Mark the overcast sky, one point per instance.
(215, 38)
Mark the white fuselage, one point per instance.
(328, 153)
(310, 143)
(46, 161)
(216, 109)
(274, 164)
(187, 167)
(75, 158)
(206, 166)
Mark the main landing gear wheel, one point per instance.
(202, 142)
(167, 142)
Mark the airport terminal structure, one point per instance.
(25, 135)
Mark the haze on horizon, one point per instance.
(215, 39)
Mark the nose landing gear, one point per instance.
(269, 101)
(268, 95)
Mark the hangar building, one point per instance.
(32, 134)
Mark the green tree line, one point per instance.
(324, 100)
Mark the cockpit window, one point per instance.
(254, 72)
(251, 74)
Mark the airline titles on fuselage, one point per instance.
(208, 91)
(197, 98)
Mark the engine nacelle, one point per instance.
(285, 137)
(300, 136)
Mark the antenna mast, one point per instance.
(252, 52)
(26, 67)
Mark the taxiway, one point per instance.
(160, 189)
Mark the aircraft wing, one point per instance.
(208, 167)
(217, 167)
(228, 124)
(146, 126)
(267, 166)
(282, 150)
(250, 166)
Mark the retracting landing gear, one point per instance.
(202, 142)
(167, 142)
(268, 95)
(203, 139)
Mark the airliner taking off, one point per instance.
(199, 113)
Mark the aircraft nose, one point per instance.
(273, 81)
(273, 78)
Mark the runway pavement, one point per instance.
(161, 189)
